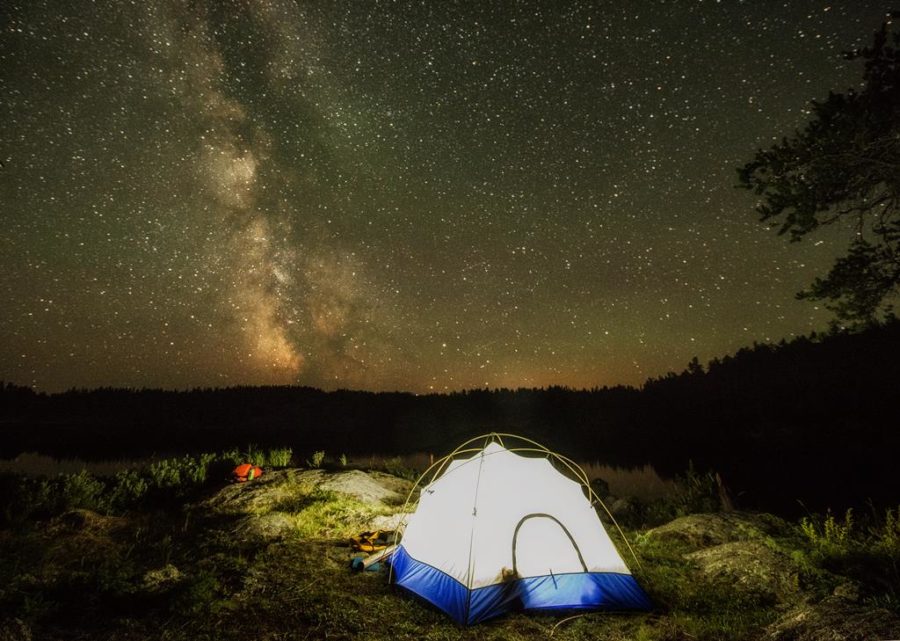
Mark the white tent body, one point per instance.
(500, 531)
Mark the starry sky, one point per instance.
(420, 196)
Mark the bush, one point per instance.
(128, 489)
(233, 457)
(695, 492)
(316, 460)
(197, 469)
(279, 457)
(830, 537)
(254, 455)
(83, 491)
(888, 535)
(181, 473)
(165, 474)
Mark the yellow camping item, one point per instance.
(371, 541)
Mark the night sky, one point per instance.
(394, 195)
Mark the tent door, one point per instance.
(543, 546)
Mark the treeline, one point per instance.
(815, 418)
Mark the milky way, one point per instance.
(389, 195)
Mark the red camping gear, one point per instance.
(246, 472)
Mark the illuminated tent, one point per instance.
(503, 529)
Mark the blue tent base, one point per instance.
(560, 592)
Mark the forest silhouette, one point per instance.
(813, 420)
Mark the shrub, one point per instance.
(888, 535)
(279, 457)
(81, 490)
(317, 458)
(830, 537)
(695, 492)
(196, 470)
(232, 457)
(165, 474)
(128, 489)
(253, 455)
(181, 473)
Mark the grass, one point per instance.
(172, 553)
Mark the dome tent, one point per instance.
(502, 529)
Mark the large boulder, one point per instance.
(751, 568)
(309, 504)
(286, 490)
(697, 531)
(368, 487)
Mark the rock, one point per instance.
(368, 487)
(835, 619)
(751, 568)
(264, 494)
(285, 490)
(705, 530)
(309, 504)
(385, 522)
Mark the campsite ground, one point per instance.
(269, 560)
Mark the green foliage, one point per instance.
(233, 457)
(829, 536)
(165, 474)
(128, 489)
(695, 492)
(181, 473)
(278, 457)
(866, 552)
(316, 460)
(343, 460)
(888, 535)
(843, 166)
(254, 455)
(81, 490)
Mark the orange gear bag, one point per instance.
(246, 472)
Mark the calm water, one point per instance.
(642, 482)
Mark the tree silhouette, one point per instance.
(845, 165)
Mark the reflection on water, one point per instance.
(641, 482)
(34, 464)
